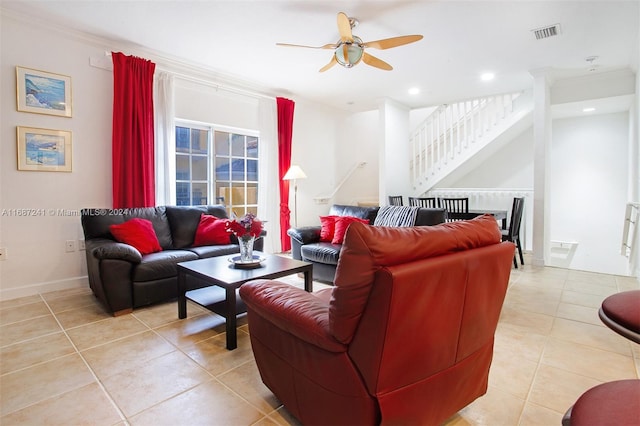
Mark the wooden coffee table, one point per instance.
(223, 280)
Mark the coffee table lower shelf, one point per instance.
(221, 283)
(214, 299)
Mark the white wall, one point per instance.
(208, 104)
(589, 179)
(510, 167)
(36, 244)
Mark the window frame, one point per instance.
(212, 156)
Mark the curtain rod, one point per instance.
(206, 82)
(106, 64)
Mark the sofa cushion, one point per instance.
(321, 252)
(342, 223)
(368, 248)
(158, 217)
(212, 251)
(327, 228)
(211, 231)
(96, 223)
(355, 211)
(138, 233)
(184, 220)
(396, 216)
(162, 264)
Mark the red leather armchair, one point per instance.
(404, 337)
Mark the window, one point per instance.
(217, 166)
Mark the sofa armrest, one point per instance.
(117, 251)
(293, 310)
(306, 234)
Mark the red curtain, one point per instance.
(132, 140)
(285, 131)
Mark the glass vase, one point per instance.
(246, 248)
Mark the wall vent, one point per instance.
(546, 32)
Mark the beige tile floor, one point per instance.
(64, 361)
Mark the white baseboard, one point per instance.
(33, 289)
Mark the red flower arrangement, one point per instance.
(247, 225)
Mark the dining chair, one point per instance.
(427, 202)
(513, 232)
(395, 200)
(454, 206)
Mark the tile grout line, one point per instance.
(95, 377)
(213, 377)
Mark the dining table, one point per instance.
(500, 215)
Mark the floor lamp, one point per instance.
(294, 173)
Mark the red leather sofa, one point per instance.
(404, 338)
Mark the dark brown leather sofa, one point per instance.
(306, 244)
(122, 278)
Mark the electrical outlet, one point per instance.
(3, 253)
(70, 246)
(80, 244)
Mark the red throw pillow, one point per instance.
(328, 224)
(138, 233)
(211, 231)
(342, 223)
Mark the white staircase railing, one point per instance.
(457, 130)
(324, 199)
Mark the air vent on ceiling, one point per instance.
(546, 32)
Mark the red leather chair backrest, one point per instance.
(367, 249)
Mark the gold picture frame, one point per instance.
(43, 92)
(44, 150)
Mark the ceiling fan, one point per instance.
(349, 50)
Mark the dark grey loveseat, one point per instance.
(124, 279)
(306, 244)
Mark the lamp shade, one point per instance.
(294, 172)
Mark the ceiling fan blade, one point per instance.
(375, 62)
(330, 64)
(388, 43)
(344, 28)
(326, 46)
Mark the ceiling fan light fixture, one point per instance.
(354, 52)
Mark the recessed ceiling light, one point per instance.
(591, 109)
(414, 90)
(487, 76)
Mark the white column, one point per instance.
(541, 165)
(394, 177)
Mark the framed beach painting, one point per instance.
(44, 150)
(43, 92)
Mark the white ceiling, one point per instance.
(462, 39)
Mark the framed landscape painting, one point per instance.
(44, 150)
(43, 92)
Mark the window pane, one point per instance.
(182, 139)
(222, 143)
(199, 141)
(223, 192)
(199, 167)
(182, 193)
(199, 194)
(253, 210)
(237, 195)
(237, 145)
(252, 147)
(252, 193)
(237, 169)
(182, 167)
(222, 169)
(252, 170)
